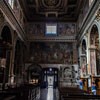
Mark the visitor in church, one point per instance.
(93, 88)
(81, 84)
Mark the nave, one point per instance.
(49, 94)
(47, 47)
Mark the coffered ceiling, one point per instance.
(51, 10)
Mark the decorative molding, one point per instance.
(1, 17)
(11, 19)
(51, 39)
(54, 10)
(65, 32)
(51, 3)
(90, 17)
(98, 15)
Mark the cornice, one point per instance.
(88, 19)
(1, 17)
(52, 39)
(11, 19)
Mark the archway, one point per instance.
(94, 51)
(34, 73)
(49, 77)
(83, 59)
(5, 54)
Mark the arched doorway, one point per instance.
(34, 73)
(49, 77)
(94, 51)
(5, 54)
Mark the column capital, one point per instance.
(92, 47)
(98, 15)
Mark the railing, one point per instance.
(23, 92)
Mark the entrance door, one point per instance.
(50, 80)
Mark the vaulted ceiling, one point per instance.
(51, 10)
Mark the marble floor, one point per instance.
(49, 94)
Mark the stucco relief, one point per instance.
(66, 73)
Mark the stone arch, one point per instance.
(34, 72)
(97, 24)
(94, 49)
(93, 35)
(5, 53)
(6, 34)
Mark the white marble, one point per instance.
(50, 93)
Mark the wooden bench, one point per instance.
(90, 97)
(67, 93)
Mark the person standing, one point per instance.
(81, 84)
(93, 88)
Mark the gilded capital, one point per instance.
(98, 15)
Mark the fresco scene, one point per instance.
(63, 29)
(66, 29)
(51, 52)
(36, 29)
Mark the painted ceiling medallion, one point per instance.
(51, 3)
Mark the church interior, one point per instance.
(49, 49)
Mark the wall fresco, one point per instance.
(93, 62)
(50, 52)
(83, 66)
(36, 29)
(66, 29)
(63, 29)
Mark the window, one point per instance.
(90, 2)
(51, 29)
(11, 2)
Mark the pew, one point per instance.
(69, 93)
(83, 97)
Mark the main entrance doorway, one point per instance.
(50, 81)
(50, 77)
